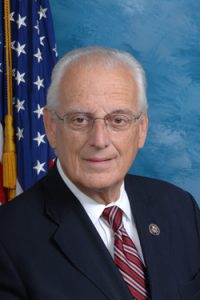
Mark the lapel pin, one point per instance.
(154, 229)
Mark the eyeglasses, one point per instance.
(80, 121)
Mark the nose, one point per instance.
(99, 135)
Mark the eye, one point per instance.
(119, 120)
(79, 120)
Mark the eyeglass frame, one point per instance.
(130, 115)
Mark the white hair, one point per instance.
(91, 55)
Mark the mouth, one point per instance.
(99, 162)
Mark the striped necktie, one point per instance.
(126, 256)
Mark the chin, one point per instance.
(100, 183)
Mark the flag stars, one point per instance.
(21, 21)
(1, 71)
(20, 105)
(39, 111)
(13, 45)
(38, 55)
(42, 12)
(39, 167)
(13, 72)
(19, 133)
(30, 61)
(12, 16)
(20, 77)
(37, 27)
(20, 49)
(55, 50)
(41, 40)
(40, 138)
(39, 83)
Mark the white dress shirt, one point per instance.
(95, 210)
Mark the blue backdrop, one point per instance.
(165, 37)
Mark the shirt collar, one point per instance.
(93, 208)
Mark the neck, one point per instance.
(104, 196)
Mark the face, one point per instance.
(96, 161)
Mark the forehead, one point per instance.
(97, 84)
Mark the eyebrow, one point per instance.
(116, 111)
(121, 111)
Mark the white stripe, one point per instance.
(135, 254)
(132, 251)
(137, 270)
(132, 266)
(133, 283)
(124, 232)
(112, 215)
(120, 254)
(119, 236)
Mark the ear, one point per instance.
(143, 128)
(50, 127)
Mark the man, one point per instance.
(88, 230)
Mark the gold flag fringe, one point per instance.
(9, 154)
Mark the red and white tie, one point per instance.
(126, 256)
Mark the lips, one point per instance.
(99, 163)
(98, 159)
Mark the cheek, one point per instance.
(68, 147)
(127, 147)
(128, 141)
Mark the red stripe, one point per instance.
(134, 275)
(124, 267)
(132, 257)
(126, 256)
(136, 294)
(135, 260)
(133, 266)
(136, 291)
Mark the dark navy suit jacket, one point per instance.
(50, 250)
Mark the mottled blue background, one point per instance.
(165, 37)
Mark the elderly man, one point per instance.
(88, 230)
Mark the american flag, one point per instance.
(33, 57)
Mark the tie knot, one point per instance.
(113, 215)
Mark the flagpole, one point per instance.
(9, 154)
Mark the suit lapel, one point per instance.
(79, 241)
(155, 247)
